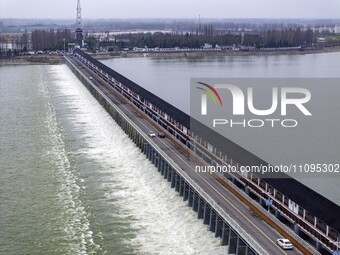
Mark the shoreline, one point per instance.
(215, 53)
(45, 59)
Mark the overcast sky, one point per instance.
(65, 9)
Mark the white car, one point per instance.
(152, 134)
(285, 244)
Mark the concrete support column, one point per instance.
(186, 191)
(134, 137)
(159, 163)
(148, 152)
(141, 142)
(200, 208)
(212, 221)
(137, 138)
(241, 248)
(248, 251)
(190, 197)
(144, 148)
(225, 234)
(154, 156)
(206, 214)
(173, 179)
(218, 226)
(169, 174)
(181, 187)
(237, 252)
(233, 242)
(177, 182)
(166, 169)
(163, 164)
(195, 199)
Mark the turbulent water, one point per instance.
(71, 182)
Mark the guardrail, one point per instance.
(272, 217)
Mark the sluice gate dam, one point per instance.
(232, 206)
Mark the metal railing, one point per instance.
(272, 217)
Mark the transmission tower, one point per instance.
(79, 39)
(78, 20)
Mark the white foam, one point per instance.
(74, 217)
(162, 222)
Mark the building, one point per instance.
(79, 39)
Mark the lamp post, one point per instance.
(64, 45)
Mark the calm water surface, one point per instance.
(169, 78)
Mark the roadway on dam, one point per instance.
(264, 234)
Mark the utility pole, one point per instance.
(199, 24)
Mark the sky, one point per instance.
(106, 9)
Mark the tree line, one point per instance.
(51, 40)
(14, 43)
(267, 39)
(54, 39)
(288, 38)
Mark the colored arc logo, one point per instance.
(210, 92)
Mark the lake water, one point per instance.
(315, 140)
(71, 182)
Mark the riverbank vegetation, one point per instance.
(266, 39)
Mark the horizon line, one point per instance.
(172, 18)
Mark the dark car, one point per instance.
(161, 135)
